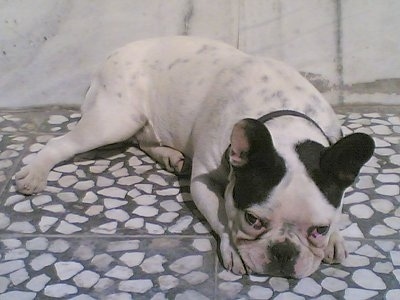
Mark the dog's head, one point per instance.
(282, 207)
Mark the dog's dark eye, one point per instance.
(322, 230)
(254, 221)
(250, 218)
(319, 230)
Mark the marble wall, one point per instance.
(348, 48)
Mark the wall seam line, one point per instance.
(339, 50)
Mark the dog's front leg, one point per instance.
(208, 198)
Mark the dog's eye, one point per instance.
(254, 221)
(250, 218)
(322, 230)
(319, 230)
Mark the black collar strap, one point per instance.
(281, 113)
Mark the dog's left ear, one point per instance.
(250, 142)
(343, 160)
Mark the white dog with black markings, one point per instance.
(269, 164)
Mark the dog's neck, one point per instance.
(280, 113)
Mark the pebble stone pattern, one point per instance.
(112, 224)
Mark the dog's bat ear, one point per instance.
(249, 137)
(343, 160)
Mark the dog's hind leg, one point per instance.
(103, 122)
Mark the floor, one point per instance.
(113, 225)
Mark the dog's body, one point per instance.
(269, 191)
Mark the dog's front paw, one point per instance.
(231, 258)
(335, 252)
(30, 180)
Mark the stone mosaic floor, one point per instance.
(112, 225)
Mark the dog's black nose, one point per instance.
(283, 253)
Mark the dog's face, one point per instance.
(282, 210)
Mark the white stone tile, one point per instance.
(167, 282)
(12, 254)
(117, 214)
(38, 243)
(167, 217)
(67, 269)
(308, 287)
(67, 228)
(359, 294)
(385, 268)
(356, 261)
(38, 283)
(361, 211)
(135, 223)
(153, 264)
(154, 228)
(333, 284)
(145, 211)
(392, 294)
(102, 261)
(18, 295)
(86, 279)
(132, 259)
(381, 230)
(187, 264)
(46, 223)
(181, 224)
(145, 199)
(42, 261)
(395, 256)
(59, 246)
(11, 266)
(139, 286)
(259, 292)
(22, 227)
(120, 272)
(367, 279)
(279, 284)
(195, 277)
(202, 245)
(60, 290)
(106, 228)
(110, 203)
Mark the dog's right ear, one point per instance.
(343, 160)
(250, 142)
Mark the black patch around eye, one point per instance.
(255, 181)
(309, 153)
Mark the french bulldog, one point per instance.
(269, 165)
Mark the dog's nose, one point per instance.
(284, 253)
